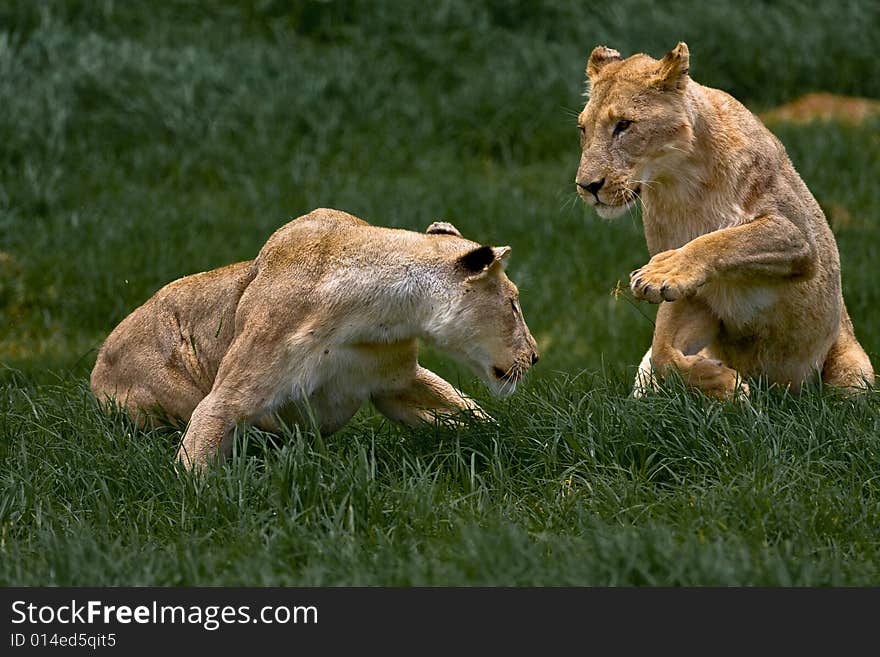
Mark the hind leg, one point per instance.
(645, 380)
(143, 408)
(684, 333)
(847, 365)
(149, 395)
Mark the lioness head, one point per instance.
(481, 322)
(634, 127)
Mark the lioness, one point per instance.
(326, 317)
(743, 263)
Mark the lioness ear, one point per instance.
(502, 253)
(476, 260)
(442, 228)
(600, 56)
(673, 68)
(483, 258)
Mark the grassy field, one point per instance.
(145, 141)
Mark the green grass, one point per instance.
(577, 485)
(145, 142)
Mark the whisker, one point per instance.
(511, 378)
(631, 211)
(650, 184)
(570, 201)
(570, 112)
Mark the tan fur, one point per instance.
(328, 316)
(743, 263)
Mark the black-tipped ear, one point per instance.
(600, 56)
(442, 228)
(477, 260)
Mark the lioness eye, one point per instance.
(514, 306)
(620, 126)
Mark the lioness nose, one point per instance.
(534, 357)
(592, 187)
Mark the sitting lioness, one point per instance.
(743, 263)
(329, 315)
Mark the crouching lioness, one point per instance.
(326, 317)
(743, 263)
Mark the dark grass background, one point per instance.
(140, 142)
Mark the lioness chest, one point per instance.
(327, 388)
(744, 305)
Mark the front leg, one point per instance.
(426, 397)
(248, 385)
(770, 246)
(208, 436)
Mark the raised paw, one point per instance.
(668, 276)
